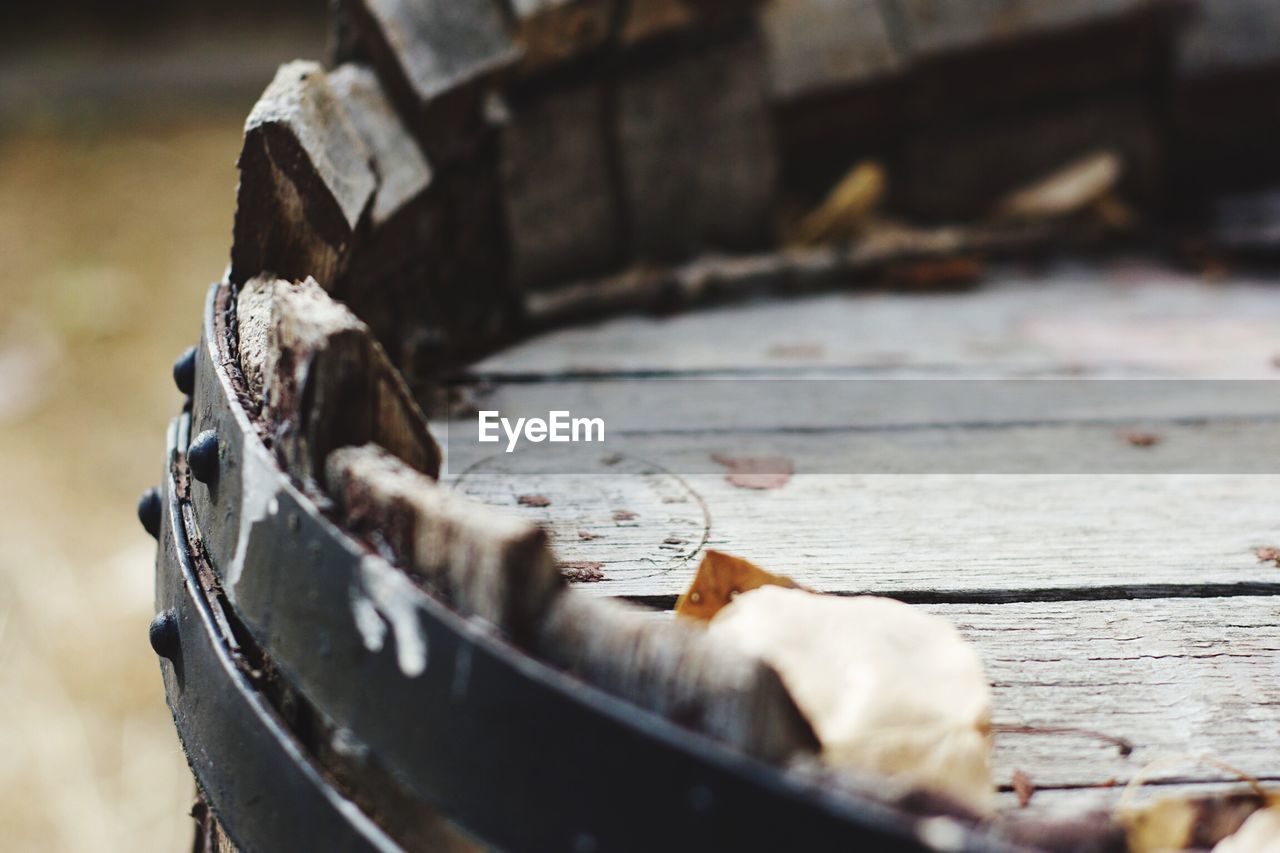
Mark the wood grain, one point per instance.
(305, 181)
(323, 380)
(696, 146)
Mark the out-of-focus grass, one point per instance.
(109, 235)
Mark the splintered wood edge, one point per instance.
(305, 180)
(323, 380)
(500, 569)
(490, 565)
(674, 669)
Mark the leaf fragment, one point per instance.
(846, 209)
(1068, 190)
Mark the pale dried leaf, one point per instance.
(1260, 834)
(1068, 190)
(888, 688)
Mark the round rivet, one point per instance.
(202, 456)
(164, 634)
(149, 511)
(184, 371)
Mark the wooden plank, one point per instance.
(433, 56)
(697, 152)
(1129, 319)
(820, 44)
(1067, 804)
(933, 26)
(675, 670)
(1225, 37)
(305, 181)
(489, 564)
(401, 169)
(551, 31)
(561, 213)
(324, 381)
(920, 537)
(1172, 677)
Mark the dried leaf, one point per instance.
(888, 688)
(845, 210)
(1260, 834)
(720, 578)
(1068, 190)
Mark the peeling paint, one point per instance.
(387, 596)
(259, 483)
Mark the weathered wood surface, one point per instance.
(401, 169)
(562, 214)
(431, 54)
(1136, 606)
(489, 564)
(323, 380)
(924, 537)
(674, 669)
(555, 30)
(698, 161)
(305, 181)
(817, 44)
(962, 532)
(1129, 318)
(1171, 677)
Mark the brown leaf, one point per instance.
(720, 577)
(582, 571)
(763, 472)
(1023, 787)
(533, 500)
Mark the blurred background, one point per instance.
(119, 129)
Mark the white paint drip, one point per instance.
(258, 486)
(368, 623)
(390, 596)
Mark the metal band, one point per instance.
(266, 791)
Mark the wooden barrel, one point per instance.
(367, 645)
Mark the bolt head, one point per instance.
(163, 634)
(202, 456)
(149, 511)
(184, 371)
